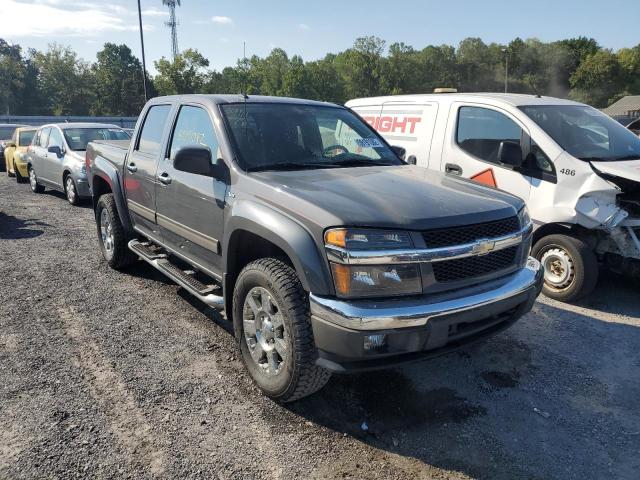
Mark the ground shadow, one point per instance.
(82, 203)
(14, 228)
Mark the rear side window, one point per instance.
(480, 131)
(151, 135)
(193, 127)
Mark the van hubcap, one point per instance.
(558, 268)
(264, 331)
(106, 233)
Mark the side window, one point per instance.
(193, 127)
(36, 139)
(151, 135)
(481, 130)
(539, 160)
(55, 138)
(44, 137)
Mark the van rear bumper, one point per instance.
(368, 334)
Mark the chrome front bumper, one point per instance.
(365, 315)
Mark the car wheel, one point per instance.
(273, 328)
(71, 191)
(570, 267)
(33, 181)
(112, 237)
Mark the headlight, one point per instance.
(524, 217)
(352, 281)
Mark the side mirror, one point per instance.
(399, 151)
(194, 159)
(55, 149)
(412, 160)
(510, 153)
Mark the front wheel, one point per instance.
(273, 328)
(570, 267)
(111, 234)
(71, 191)
(19, 178)
(33, 181)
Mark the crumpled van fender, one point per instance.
(284, 232)
(110, 174)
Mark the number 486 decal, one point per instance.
(566, 171)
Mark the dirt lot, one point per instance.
(104, 374)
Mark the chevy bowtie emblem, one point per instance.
(484, 246)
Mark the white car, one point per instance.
(577, 169)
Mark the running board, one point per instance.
(161, 262)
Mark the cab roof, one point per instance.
(237, 98)
(515, 99)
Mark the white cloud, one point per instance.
(222, 20)
(303, 26)
(154, 12)
(49, 17)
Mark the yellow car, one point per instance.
(15, 153)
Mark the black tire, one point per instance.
(298, 375)
(560, 250)
(19, 178)
(72, 199)
(35, 186)
(117, 254)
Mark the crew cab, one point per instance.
(325, 256)
(577, 169)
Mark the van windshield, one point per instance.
(281, 136)
(585, 132)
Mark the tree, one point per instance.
(185, 74)
(118, 84)
(598, 78)
(361, 67)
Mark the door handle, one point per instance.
(132, 167)
(453, 168)
(164, 178)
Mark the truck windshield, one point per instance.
(78, 138)
(585, 132)
(280, 136)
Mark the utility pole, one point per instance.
(144, 63)
(506, 69)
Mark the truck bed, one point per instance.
(114, 151)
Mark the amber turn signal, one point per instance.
(336, 237)
(341, 278)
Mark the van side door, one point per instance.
(472, 141)
(140, 169)
(190, 206)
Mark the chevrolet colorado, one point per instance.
(325, 249)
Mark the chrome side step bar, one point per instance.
(161, 262)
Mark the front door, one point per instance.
(54, 162)
(141, 166)
(474, 134)
(190, 206)
(39, 154)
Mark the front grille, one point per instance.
(447, 237)
(462, 268)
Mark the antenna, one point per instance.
(246, 71)
(173, 25)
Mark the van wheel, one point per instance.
(111, 234)
(273, 328)
(570, 267)
(33, 181)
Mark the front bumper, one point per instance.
(418, 327)
(82, 185)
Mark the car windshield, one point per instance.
(6, 132)
(25, 137)
(280, 136)
(78, 138)
(585, 132)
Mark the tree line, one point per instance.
(58, 82)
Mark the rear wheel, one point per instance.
(33, 181)
(272, 325)
(570, 267)
(111, 234)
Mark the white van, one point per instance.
(578, 170)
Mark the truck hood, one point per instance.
(406, 197)
(627, 169)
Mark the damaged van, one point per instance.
(577, 169)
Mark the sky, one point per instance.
(218, 28)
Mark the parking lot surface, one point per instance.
(107, 374)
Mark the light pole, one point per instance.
(144, 63)
(506, 69)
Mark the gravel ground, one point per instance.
(106, 374)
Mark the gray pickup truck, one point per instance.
(325, 249)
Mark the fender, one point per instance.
(110, 174)
(287, 234)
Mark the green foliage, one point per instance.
(58, 82)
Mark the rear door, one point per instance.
(141, 166)
(190, 207)
(472, 139)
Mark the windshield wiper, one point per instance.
(289, 166)
(354, 162)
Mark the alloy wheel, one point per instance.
(106, 233)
